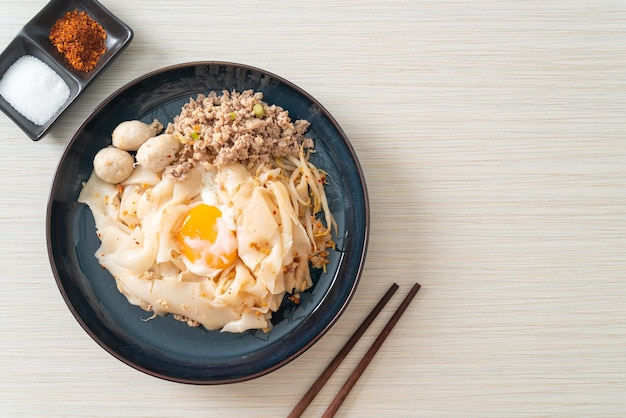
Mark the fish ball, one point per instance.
(158, 152)
(129, 135)
(113, 165)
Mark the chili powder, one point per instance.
(80, 39)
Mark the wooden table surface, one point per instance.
(492, 135)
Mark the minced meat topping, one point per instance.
(234, 127)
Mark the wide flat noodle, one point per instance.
(139, 249)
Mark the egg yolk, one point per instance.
(203, 240)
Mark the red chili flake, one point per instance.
(80, 39)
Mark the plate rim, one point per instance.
(319, 333)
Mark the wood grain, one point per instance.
(492, 137)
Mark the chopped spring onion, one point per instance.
(258, 110)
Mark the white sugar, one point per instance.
(34, 89)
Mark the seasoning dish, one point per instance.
(32, 40)
(164, 347)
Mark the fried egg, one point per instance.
(206, 235)
(207, 240)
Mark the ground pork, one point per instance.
(234, 127)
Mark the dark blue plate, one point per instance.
(33, 40)
(164, 347)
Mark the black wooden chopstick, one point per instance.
(330, 369)
(360, 368)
